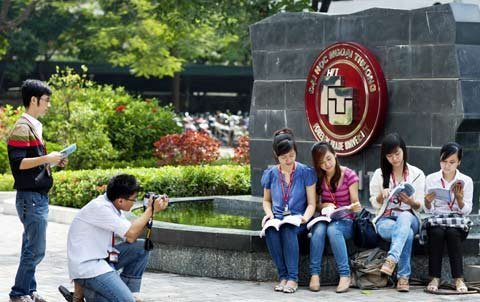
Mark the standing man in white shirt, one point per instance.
(93, 255)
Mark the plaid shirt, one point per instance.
(452, 220)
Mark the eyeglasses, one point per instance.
(46, 99)
(132, 200)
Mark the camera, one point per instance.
(152, 195)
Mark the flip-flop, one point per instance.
(289, 289)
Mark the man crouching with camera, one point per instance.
(93, 255)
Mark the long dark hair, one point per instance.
(449, 149)
(391, 142)
(283, 142)
(318, 153)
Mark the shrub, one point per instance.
(3, 124)
(8, 116)
(106, 123)
(242, 151)
(189, 148)
(134, 125)
(4, 164)
(76, 188)
(6, 182)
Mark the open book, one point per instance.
(312, 222)
(337, 214)
(276, 223)
(67, 151)
(403, 187)
(444, 194)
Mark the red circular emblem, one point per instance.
(345, 97)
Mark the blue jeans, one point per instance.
(32, 209)
(400, 231)
(283, 247)
(338, 232)
(119, 288)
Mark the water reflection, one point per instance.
(207, 213)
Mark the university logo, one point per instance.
(345, 97)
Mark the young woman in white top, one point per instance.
(448, 224)
(397, 219)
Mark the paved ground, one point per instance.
(168, 287)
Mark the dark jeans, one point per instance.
(437, 236)
(32, 209)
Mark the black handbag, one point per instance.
(364, 234)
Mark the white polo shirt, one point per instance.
(434, 180)
(90, 238)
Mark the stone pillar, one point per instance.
(431, 61)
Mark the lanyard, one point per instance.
(113, 241)
(450, 204)
(331, 194)
(285, 194)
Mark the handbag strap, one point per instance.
(373, 254)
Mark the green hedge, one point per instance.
(6, 182)
(4, 165)
(76, 188)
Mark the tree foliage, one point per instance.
(151, 37)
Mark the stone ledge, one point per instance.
(58, 214)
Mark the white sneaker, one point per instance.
(138, 297)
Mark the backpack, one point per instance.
(365, 267)
(364, 234)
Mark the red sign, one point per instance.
(345, 97)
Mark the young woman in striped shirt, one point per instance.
(337, 186)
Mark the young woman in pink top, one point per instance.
(337, 186)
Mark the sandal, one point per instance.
(460, 286)
(279, 287)
(433, 285)
(288, 289)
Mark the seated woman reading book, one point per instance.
(448, 223)
(288, 190)
(397, 217)
(337, 188)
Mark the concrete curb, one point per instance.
(57, 214)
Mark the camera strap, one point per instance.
(148, 242)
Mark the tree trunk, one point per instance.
(176, 91)
(2, 77)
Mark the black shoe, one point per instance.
(68, 295)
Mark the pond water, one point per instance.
(206, 213)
